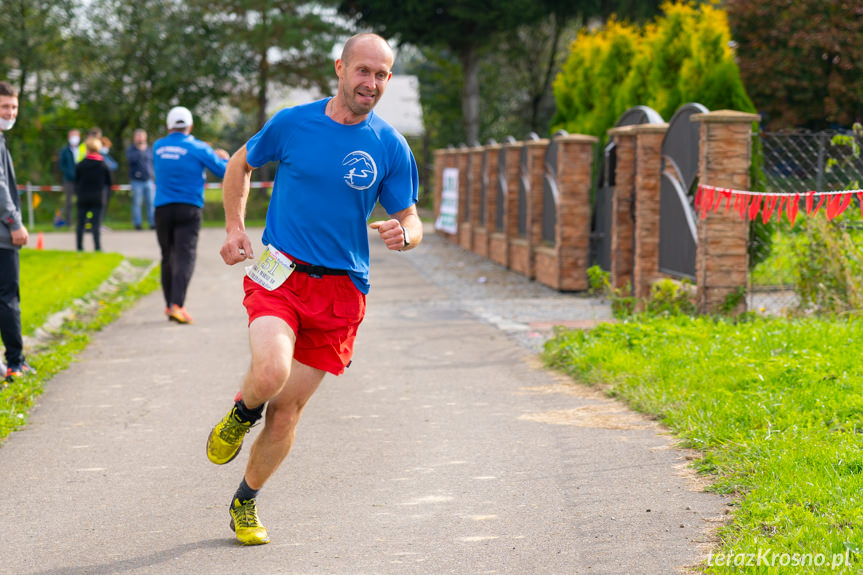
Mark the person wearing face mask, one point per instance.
(68, 159)
(13, 235)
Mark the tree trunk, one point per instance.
(470, 94)
(263, 80)
(548, 74)
(263, 74)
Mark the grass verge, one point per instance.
(65, 280)
(51, 280)
(775, 407)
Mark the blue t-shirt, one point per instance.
(329, 178)
(179, 162)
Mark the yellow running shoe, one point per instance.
(226, 439)
(245, 523)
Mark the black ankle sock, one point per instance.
(244, 492)
(246, 414)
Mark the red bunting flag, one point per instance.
(792, 208)
(727, 194)
(820, 203)
(782, 201)
(846, 201)
(744, 205)
(769, 205)
(754, 207)
(749, 204)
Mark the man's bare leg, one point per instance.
(285, 385)
(283, 413)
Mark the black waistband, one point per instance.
(318, 270)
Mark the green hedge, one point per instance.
(685, 55)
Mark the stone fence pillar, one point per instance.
(507, 204)
(563, 266)
(474, 184)
(648, 178)
(487, 210)
(531, 173)
(721, 260)
(461, 162)
(622, 226)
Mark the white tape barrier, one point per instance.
(30, 189)
(24, 188)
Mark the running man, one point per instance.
(308, 296)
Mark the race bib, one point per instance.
(271, 269)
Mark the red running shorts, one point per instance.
(324, 312)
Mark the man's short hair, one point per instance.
(348, 48)
(7, 89)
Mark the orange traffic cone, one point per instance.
(40, 241)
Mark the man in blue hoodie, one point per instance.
(13, 235)
(179, 160)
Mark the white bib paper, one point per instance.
(271, 269)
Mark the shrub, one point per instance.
(669, 297)
(684, 56)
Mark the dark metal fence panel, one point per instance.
(639, 115)
(501, 186)
(524, 187)
(677, 230)
(602, 217)
(550, 190)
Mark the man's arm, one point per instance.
(10, 215)
(391, 230)
(215, 159)
(235, 193)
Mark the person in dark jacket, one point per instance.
(141, 178)
(13, 235)
(68, 159)
(92, 176)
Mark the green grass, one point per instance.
(53, 281)
(775, 406)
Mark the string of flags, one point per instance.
(751, 204)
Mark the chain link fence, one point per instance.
(794, 163)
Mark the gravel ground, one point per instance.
(524, 309)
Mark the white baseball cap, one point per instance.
(179, 117)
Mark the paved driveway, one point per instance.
(445, 448)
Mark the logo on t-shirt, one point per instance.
(361, 170)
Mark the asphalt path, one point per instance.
(445, 448)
